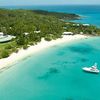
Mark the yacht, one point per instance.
(92, 69)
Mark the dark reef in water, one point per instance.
(82, 48)
(68, 99)
(49, 73)
(83, 59)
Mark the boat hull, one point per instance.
(90, 71)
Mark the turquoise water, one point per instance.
(91, 13)
(54, 74)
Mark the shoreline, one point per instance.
(15, 57)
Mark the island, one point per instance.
(31, 26)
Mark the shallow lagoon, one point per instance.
(54, 74)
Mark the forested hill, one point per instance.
(38, 24)
(19, 21)
(64, 16)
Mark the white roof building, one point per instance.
(76, 24)
(37, 31)
(68, 33)
(86, 24)
(5, 38)
(1, 33)
(26, 33)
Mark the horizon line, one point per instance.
(54, 5)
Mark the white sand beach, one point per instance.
(15, 57)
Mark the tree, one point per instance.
(4, 54)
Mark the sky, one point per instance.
(47, 2)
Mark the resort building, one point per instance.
(86, 24)
(37, 31)
(26, 33)
(1, 34)
(5, 38)
(68, 33)
(76, 24)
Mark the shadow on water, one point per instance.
(50, 72)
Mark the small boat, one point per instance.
(92, 69)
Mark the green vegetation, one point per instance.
(18, 22)
(77, 28)
(4, 54)
(25, 47)
(63, 16)
(38, 24)
(8, 47)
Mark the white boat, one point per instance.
(92, 69)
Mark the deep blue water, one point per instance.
(55, 74)
(91, 13)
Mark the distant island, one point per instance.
(63, 16)
(30, 26)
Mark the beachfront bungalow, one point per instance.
(5, 38)
(68, 33)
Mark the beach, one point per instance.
(15, 57)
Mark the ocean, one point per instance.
(55, 73)
(90, 13)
